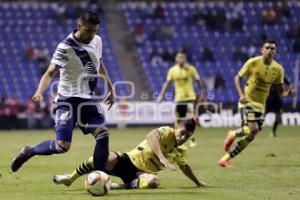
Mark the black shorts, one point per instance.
(125, 169)
(249, 115)
(274, 104)
(183, 107)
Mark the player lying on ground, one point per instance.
(138, 167)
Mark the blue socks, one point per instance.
(101, 153)
(47, 147)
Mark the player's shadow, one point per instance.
(178, 191)
(154, 193)
(122, 192)
(167, 191)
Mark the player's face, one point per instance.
(87, 32)
(181, 135)
(268, 50)
(180, 59)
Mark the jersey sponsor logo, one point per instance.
(90, 67)
(262, 85)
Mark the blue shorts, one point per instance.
(87, 113)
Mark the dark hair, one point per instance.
(268, 41)
(89, 17)
(189, 124)
(180, 52)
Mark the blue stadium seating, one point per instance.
(222, 43)
(25, 23)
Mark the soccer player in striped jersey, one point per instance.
(138, 168)
(78, 58)
(261, 72)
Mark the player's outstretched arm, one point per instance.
(202, 91)
(164, 89)
(111, 97)
(45, 82)
(285, 92)
(187, 170)
(153, 139)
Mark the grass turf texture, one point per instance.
(268, 169)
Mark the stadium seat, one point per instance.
(35, 23)
(223, 44)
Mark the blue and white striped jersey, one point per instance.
(79, 66)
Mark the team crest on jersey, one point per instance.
(90, 67)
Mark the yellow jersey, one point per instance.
(145, 159)
(260, 78)
(183, 78)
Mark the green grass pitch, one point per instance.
(269, 169)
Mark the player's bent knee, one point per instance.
(254, 129)
(250, 138)
(111, 161)
(63, 146)
(100, 132)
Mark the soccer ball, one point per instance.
(97, 183)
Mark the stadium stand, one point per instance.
(231, 31)
(217, 38)
(28, 27)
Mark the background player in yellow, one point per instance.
(183, 75)
(261, 73)
(138, 167)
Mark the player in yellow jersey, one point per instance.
(261, 72)
(183, 75)
(138, 167)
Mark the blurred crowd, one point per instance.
(39, 53)
(215, 20)
(15, 115)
